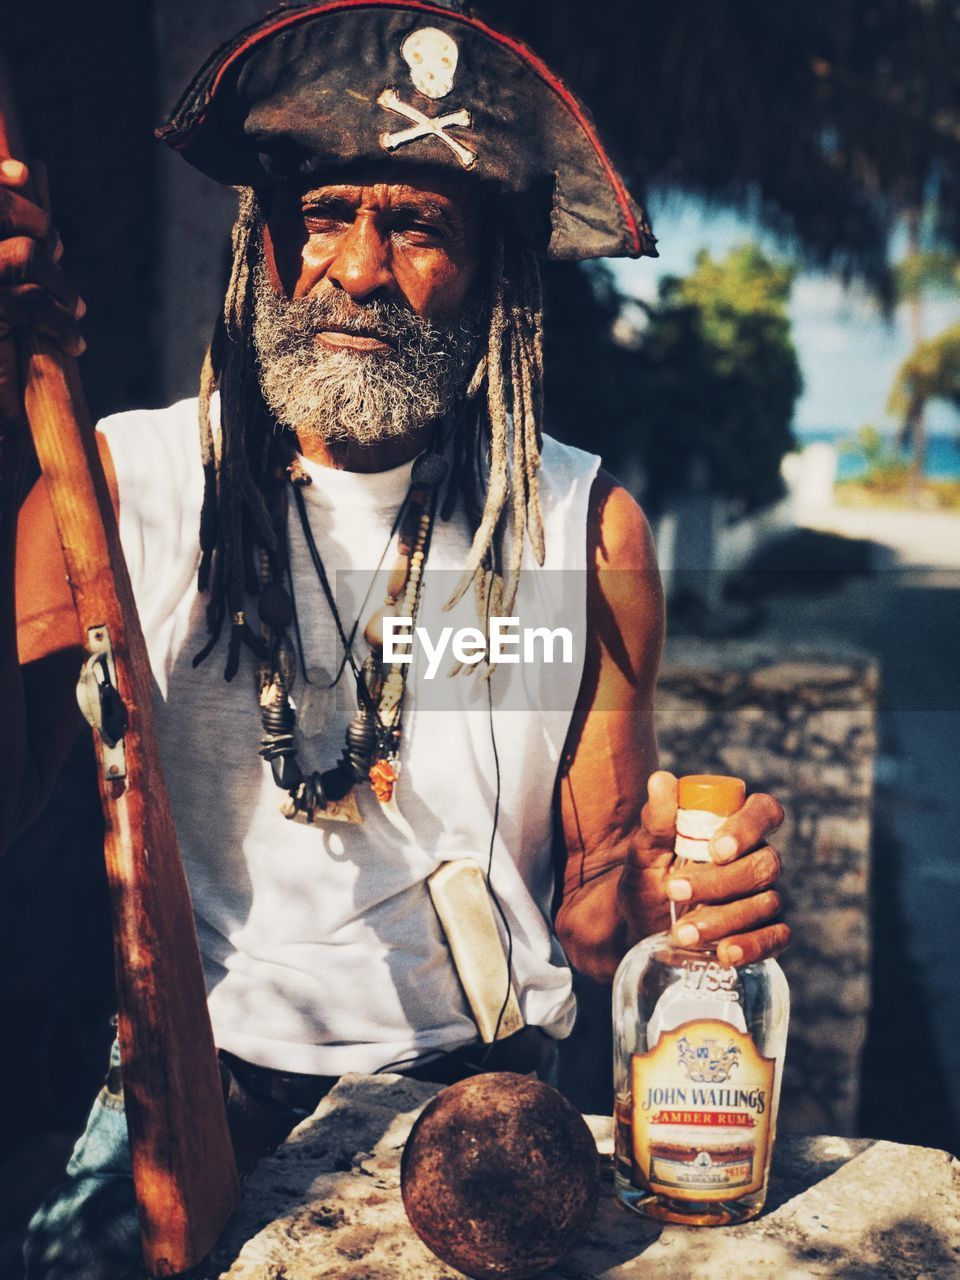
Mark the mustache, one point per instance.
(344, 395)
(386, 319)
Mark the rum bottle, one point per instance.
(698, 1057)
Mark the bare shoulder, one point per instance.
(619, 533)
(625, 598)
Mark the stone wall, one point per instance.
(801, 726)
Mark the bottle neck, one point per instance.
(695, 829)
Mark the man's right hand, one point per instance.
(33, 289)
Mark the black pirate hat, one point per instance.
(338, 83)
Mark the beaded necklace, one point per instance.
(372, 743)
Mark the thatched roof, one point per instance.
(829, 118)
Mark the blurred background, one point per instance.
(780, 389)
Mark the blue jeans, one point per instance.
(88, 1228)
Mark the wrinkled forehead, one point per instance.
(470, 204)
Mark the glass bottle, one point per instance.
(698, 1057)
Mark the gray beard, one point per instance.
(357, 397)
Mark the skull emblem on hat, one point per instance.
(249, 115)
(432, 58)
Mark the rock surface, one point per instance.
(327, 1206)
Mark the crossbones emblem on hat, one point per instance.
(317, 85)
(432, 57)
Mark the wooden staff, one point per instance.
(183, 1164)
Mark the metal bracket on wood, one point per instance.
(101, 704)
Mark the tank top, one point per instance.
(321, 949)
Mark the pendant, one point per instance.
(383, 781)
(316, 701)
(345, 810)
(391, 811)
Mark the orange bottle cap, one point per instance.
(713, 792)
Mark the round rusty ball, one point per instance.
(500, 1176)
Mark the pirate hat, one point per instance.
(339, 83)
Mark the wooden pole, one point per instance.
(183, 1165)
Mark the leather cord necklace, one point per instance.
(372, 744)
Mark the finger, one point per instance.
(658, 818)
(13, 173)
(72, 342)
(24, 262)
(710, 923)
(708, 882)
(760, 944)
(21, 217)
(747, 828)
(29, 305)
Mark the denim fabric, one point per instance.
(88, 1228)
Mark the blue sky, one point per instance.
(848, 351)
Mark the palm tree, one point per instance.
(930, 372)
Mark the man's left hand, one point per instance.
(730, 901)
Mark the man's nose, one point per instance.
(361, 264)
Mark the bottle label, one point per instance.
(694, 830)
(701, 1113)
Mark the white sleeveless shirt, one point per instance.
(321, 949)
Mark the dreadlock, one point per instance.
(496, 444)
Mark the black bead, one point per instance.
(319, 792)
(284, 661)
(287, 774)
(275, 606)
(362, 734)
(428, 470)
(278, 717)
(337, 782)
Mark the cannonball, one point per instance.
(500, 1176)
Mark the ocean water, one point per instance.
(943, 454)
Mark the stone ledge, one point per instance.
(327, 1206)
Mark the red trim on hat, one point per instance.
(540, 67)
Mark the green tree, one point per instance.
(719, 378)
(932, 369)
(930, 372)
(708, 384)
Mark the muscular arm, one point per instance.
(611, 747)
(617, 818)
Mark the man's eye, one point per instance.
(323, 219)
(420, 230)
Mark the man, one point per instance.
(372, 397)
